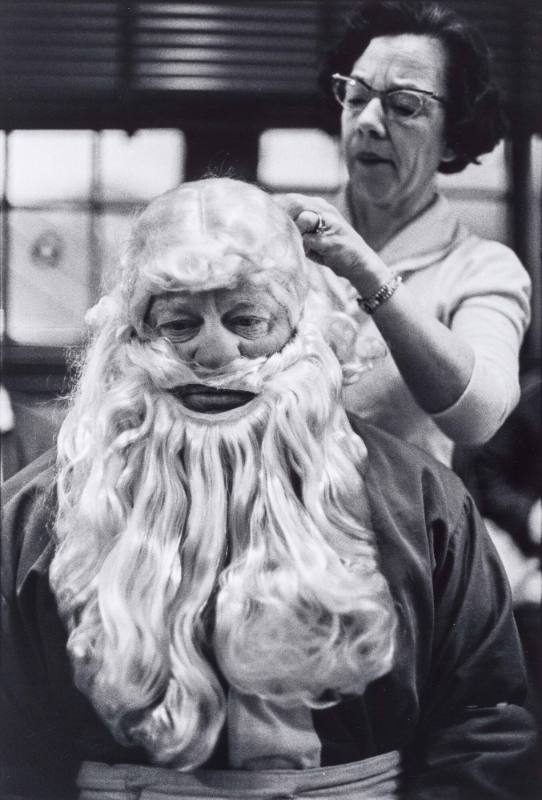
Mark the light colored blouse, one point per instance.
(479, 290)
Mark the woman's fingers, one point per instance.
(329, 239)
(300, 205)
(324, 230)
(309, 221)
(312, 215)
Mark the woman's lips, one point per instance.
(211, 400)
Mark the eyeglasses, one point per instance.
(353, 94)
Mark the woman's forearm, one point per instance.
(435, 364)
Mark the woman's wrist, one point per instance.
(371, 303)
(369, 276)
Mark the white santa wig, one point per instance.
(191, 547)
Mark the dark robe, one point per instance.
(452, 703)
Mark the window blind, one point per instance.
(59, 47)
(229, 47)
(80, 63)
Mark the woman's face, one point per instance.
(392, 162)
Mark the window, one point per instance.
(480, 195)
(69, 198)
(304, 160)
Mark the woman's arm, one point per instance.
(435, 365)
(444, 369)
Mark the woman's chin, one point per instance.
(375, 194)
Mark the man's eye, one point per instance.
(249, 327)
(179, 328)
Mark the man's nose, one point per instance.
(215, 347)
(371, 118)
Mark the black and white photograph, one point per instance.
(270, 400)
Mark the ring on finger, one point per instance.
(320, 226)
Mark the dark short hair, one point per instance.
(474, 119)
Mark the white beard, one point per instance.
(243, 537)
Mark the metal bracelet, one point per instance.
(370, 304)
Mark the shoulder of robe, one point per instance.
(410, 482)
(28, 507)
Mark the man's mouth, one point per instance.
(211, 400)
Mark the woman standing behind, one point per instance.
(414, 84)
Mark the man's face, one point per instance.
(390, 160)
(213, 328)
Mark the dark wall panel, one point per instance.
(84, 63)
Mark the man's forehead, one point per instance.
(215, 265)
(245, 292)
(211, 268)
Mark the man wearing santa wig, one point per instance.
(221, 585)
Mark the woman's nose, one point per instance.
(215, 348)
(371, 118)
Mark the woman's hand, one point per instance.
(435, 364)
(338, 245)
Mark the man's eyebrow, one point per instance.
(253, 305)
(171, 309)
(172, 303)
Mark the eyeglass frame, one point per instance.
(423, 95)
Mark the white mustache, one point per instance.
(246, 374)
(238, 375)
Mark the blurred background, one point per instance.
(105, 104)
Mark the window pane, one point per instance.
(113, 229)
(49, 166)
(479, 195)
(140, 166)
(50, 282)
(303, 159)
(491, 173)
